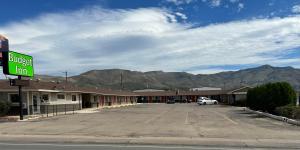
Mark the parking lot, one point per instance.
(159, 120)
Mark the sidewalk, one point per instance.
(82, 111)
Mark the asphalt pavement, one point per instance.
(158, 124)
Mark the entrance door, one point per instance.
(36, 104)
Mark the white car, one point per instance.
(205, 100)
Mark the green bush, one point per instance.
(288, 111)
(4, 107)
(269, 96)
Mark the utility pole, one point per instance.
(121, 81)
(66, 74)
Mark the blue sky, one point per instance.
(197, 36)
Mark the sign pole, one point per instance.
(16, 64)
(20, 99)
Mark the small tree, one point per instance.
(269, 96)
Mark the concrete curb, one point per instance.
(9, 119)
(117, 106)
(184, 141)
(279, 118)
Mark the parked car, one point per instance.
(171, 101)
(206, 101)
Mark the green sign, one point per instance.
(17, 64)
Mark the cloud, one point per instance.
(234, 1)
(225, 4)
(240, 6)
(181, 15)
(180, 2)
(215, 3)
(148, 39)
(296, 9)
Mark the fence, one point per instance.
(54, 110)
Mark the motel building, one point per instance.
(223, 96)
(181, 96)
(54, 97)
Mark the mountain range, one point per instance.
(117, 79)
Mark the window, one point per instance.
(14, 98)
(73, 97)
(60, 96)
(45, 97)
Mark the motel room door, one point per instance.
(36, 102)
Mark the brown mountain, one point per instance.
(132, 80)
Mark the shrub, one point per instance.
(4, 107)
(269, 96)
(288, 111)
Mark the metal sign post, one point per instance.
(20, 83)
(16, 64)
(20, 99)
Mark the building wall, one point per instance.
(54, 105)
(178, 98)
(112, 100)
(239, 97)
(52, 101)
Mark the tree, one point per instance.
(269, 96)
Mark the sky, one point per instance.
(195, 36)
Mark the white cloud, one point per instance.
(148, 39)
(234, 1)
(208, 71)
(181, 15)
(215, 3)
(218, 3)
(296, 9)
(240, 6)
(179, 2)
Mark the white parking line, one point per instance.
(225, 117)
(187, 118)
